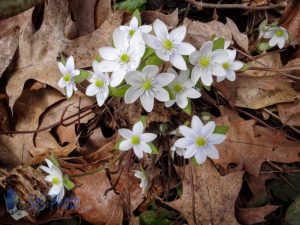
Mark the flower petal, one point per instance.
(196, 124)
(162, 54)
(183, 142)
(60, 195)
(108, 53)
(134, 78)
(206, 48)
(54, 190)
(145, 28)
(194, 57)
(187, 132)
(62, 68)
(200, 156)
(216, 138)
(164, 79)
(125, 133)
(46, 169)
(150, 70)
(69, 90)
(206, 79)
(230, 75)
(134, 23)
(281, 42)
(196, 74)
(178, 34)
(138, 152)
(148, 137)
(147, 102)
(92, 90)
(182, 101)
(120, 40)
(160, 29)
(125, 145)
(208, 129)
(108, 66)
(138, 128)
(169, 103)
(161, 94)
(117, 77)
(192, 93)
(132, 94)
(70, 64)
(212, 152)
(185, 48)
(151, 41)
(100, 98)
(190, 152)
(145, 147)
(236, 65)
(218, 70)
(274, 40)
(62, 83)
(178, 61)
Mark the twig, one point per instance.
(272, 69)
(201, 5)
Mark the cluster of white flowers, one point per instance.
(277, 35)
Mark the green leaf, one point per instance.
(117, 145)
(68, 184)
(137, 14)
(292, 215)
(144, 119)
(188, 109)
(53, 159)
(187, 123)
(153, 148)
(130, 5)
(171, 94)
(218, 43)
(84, 74)
(221, 129)
(98, 58)
(245, 67)
(118, 91)
(148, 52)
(63, 59)
(153, 60)
(262, 46)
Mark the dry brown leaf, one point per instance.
(38, 51)
(289, 113)
(257, 92)
(249, 216)
(248, 146)
(259, 2)
(198, 32)
(211, 191)
(170, 20)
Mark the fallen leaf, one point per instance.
(248, 146)
(289, 113)
(292, 213)
(170, 20)
(211, 191)
(249, 216)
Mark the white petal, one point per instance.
(236, 65)
(219, 79)
(184, 76)
(46, 169)
(147, 102)
(164, 79)
(196, 124)
(200, 156)
(206, 79)
(178, 34)
(132, 94)
(160, 29)
(216, 138)
(69, 89)
(218, 70)
(138, 174)
(120, 40)
(169, 103)
(125, 133)
(182, 101)
(139, 48)
(196, 74)
(206, 48)
(269, 34)
(148, 137)
(49, 163)
(161, 94)
(194, 57)
(62, 68)
(108, 66)
(91, 90)
(54, 190)
(162, 54)
(151, 41)
(230, 75)
(125, 145)
(70, 64)
(62, 83)
(145, 28)
(134, 23)
(185, 48)
(49, 178)
(138, 152)
(219, 55)
(117, 77)
(178, 61)
(281, 42)
(186, 131)
(212, 152)
(231, 54)
(192, 93)
(134, 78)
(108, 53)
(100, 98)
(190, 152)
(208, 129)
(138, 128)
(274, 40)
(145, 147)
(150, 70)
(183, 142)
(60, 195)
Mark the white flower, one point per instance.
(69, 72)
(56, 179)
(199, 140)
(207, 63)
(182, 87)
(263, 28)
(99, 84)
(169, 46)
(147, 85)
(123, 58)
(134, 27)
(136, 139)
(278, 36)
(230, 66)
(179, 151)
(144, 180)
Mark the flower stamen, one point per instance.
(177, 88)
(204, 62)
(131, 33)
(226, 66)
(55, 181)
(67, 77)
(168, 44)
(200, 142)
(99, 83)
(124, 58)
(135, 140)
(279, 33)
(147, 85)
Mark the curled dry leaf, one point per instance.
(289, 113)
(249, 216)
(170, 20)
(248, 145)
(211, 191)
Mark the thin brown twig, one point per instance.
(201, 5)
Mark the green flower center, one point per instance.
(225, 66)
(200, 142)
(279, 33)
(131, 33)
(204, 62)
(99, 83)
(67, 77)
(135, 140)
(147, 85)
(168, 44)
(124, 58)
(177, 88)
(55, 180)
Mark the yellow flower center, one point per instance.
(178, 88)
(225, 66)
(99, 83)
(147, 85)
(279, 33)
(67, 77)
(200, 142)
(124, 58)
(55, 180)
(168, 45)
(135, 140)
(204, 62)
(131, 33)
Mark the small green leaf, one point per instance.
(218, 43)
(137, 14)
(153, 60)
(171, 94)
(98, 58)
(188, 109)
(221, 129)
(53, 159)
(84, 74)
(153, 148)
(118, 91)
(130, 5)
(262, 46)
(144, 119)
(117, 145)
(68, 184)
(245, 67)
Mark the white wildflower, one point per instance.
(144, 180)
(277, 35)
(134, 27)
